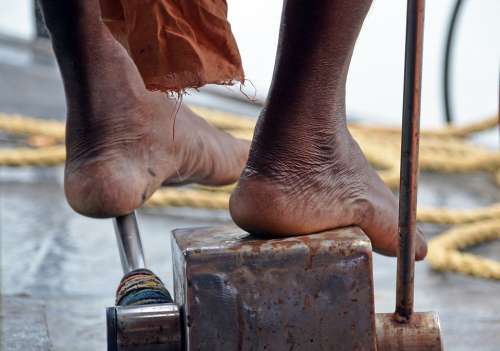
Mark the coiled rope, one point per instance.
(442, 150)
(444, 254)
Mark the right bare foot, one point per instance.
(123, 141)
(305, 173)
(303, 192)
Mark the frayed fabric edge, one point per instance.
(176, 92)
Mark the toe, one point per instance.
(390, 247)
(383, 230)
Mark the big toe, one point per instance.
(387, 243)
(382, 228)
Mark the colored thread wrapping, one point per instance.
(141, 287)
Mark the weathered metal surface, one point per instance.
(245, 293)
(129, 243)
(421, 333)
(144, 328)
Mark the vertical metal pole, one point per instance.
(409, 158)
(129, 243)
(447, 61)
(41, 30)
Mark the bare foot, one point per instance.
(305, 173)
(340, 190)
(123, 141)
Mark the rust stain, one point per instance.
(307, 302)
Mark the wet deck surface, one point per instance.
(60, 270)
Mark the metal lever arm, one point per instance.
(129, 243)
(409, 158)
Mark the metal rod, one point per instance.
(447, 61)
(129, 243)
(409, 158)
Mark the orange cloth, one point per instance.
(176, 44)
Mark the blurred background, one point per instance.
(376, 74)
(63, 268)
(378, 57)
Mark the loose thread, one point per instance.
(251, 99)
(178, 105)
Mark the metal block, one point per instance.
(243, 293)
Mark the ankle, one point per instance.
(305, 153)
(69, 18)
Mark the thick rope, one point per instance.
(443, 150)
(189, 198)
(211, 198)
(44, 156)
(447, 216)
(22, 125)
(444, 255)
(381, 146)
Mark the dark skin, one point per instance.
(121, 141)
(305, 173)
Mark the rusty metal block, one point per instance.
(243, 293)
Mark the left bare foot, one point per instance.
(123, 141)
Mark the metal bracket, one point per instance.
(140, 328)
(144, 328)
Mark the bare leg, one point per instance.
(120, 136)
(305, 172)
